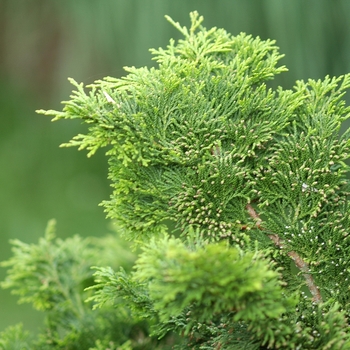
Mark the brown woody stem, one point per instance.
(299, 262)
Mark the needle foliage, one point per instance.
(234, 192)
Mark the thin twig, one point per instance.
(253, 214)
(299, 262)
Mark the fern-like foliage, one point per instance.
(53, 275)
(236, 192)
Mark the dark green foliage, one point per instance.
(235, 192)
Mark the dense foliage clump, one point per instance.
(236, 194)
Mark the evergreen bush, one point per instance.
(233, 195)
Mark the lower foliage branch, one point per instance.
(299, 262)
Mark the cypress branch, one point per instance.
(236, 194)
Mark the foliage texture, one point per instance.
(236, 193)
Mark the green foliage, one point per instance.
(236, 193)
(218, 294)
(15, 338)
(53, 275)
(213, 278)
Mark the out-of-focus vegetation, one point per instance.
(42, 42)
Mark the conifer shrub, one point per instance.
(232, 194)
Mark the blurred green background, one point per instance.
(42, 42)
